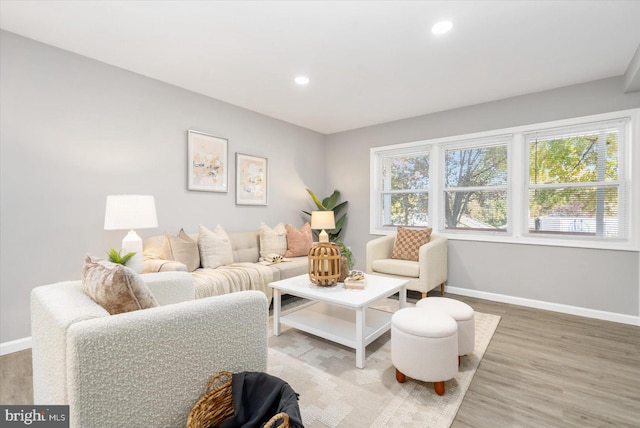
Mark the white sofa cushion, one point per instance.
(183, 249)
(273, 241)
(215, 247)
(396, 267)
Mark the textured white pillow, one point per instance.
(273, 241)
(215, 247)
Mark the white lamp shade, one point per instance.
(322, 220)
(130, 212)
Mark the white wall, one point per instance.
(74, 130)
(595, 280)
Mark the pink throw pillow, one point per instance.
(299, 242)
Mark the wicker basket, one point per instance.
(215, 406)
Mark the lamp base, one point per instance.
(323, 236)
(132, 243)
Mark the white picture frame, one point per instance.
(207, 162)
(252, 180)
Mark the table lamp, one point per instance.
(131, 212)
(323, 220)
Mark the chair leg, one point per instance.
(400, 377)
(424, 295)
(439, 387)
(442, 289)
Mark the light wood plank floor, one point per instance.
(542, 369)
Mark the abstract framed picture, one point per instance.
(208, 162)
(252, 180)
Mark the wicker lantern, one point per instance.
(324, 264)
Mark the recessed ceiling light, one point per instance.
(302, 80)
(441, 27)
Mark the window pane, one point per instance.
(405, 209)
(574, 159)
(578, 211)
(478, 210)
(485, 166)
(405, 172)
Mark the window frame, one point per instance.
(376, 188)
(518, 176)
(469, 144)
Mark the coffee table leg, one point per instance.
(276, 312)
(403, 297)
(360, 350)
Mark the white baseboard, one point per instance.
(549, 306)
(15, 345)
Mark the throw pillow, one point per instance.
(273, 241)
(299, 242)
(215, 247)
(115, 287)
(182, 249)
(408, 242)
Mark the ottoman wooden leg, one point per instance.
(442, 289)
(439, 387)
(400, 377)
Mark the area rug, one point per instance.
(334, 393)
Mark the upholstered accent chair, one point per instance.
(147, 367)
(425, 274)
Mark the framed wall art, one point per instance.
(252, 180)
(208, 162)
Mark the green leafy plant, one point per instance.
(115, 257)
(346, 251)
(330, 203)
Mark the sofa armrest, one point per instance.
(54, 308)
(432, 257)
(379, 248)
(149, 367)
(170, 287)
(161, 265)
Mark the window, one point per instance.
(476, 186)
(403, 189)
(564, 183)
(575, 184)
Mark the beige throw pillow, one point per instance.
(182, 249)
(115, 287)
(273, 241)
(215, 247)
(408, 242)
(299, 242)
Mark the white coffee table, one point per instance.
(337, 314)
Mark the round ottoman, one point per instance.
(424, 346)
(459, 311)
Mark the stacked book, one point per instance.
(356, 280)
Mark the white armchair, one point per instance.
(424, 275)
(145, 368)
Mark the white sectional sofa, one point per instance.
(244, 273)
(145, 368)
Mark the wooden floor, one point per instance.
(541, 369)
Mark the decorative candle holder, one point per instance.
(324, 264)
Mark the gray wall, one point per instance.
(594, 279)
(74, 130)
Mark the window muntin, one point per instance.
(404, 195)
(574, 186)
(476, 187)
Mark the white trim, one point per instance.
(548, 306)
(518, 187)
(15, 345)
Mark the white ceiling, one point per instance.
(369, 61)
